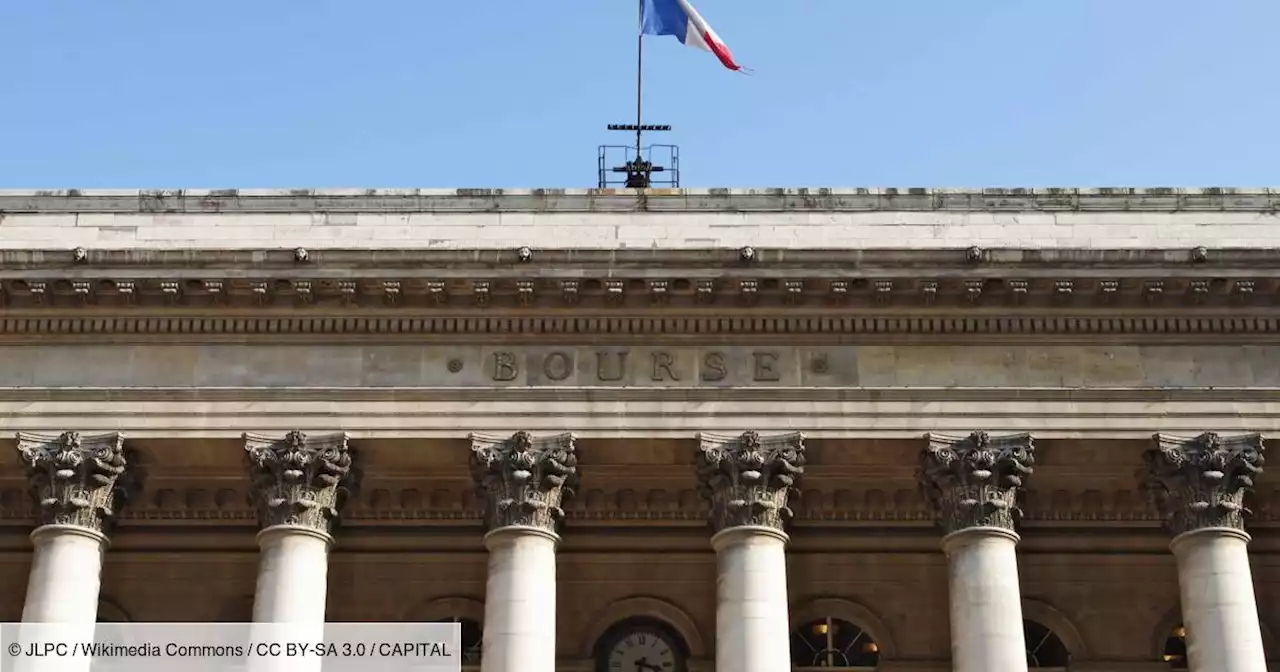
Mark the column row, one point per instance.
(1197, 483)
(972, 483)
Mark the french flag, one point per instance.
(679, 18)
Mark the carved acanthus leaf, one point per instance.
(300, 480)
(524, 480)
(1198, 482)
(974, 481)
(749, 480)
(78, 480)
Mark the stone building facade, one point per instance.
(746, 431)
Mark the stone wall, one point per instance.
(686, 219)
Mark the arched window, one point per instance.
(1175, 649)
(472, 640)
(1044, 648)
(830, 642)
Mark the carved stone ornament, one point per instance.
(1198, 482)
(523, 479)
(974, 481)
(299, 479)
(749, 480)
(78, 480)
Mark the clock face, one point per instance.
(642, 650)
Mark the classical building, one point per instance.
(655, 431)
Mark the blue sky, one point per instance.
(516, 93)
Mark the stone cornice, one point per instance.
(628, 200)
(633, 292)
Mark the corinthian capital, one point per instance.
(298, 479)
(524, 479)
(748, 479)
(1197, 482)
(973, 481)
(77, 480)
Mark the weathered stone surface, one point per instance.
(1200, 481)
(749, 479)
(974, 481)
(78, 480)
(299, 479)
(384, 366)
(498, 219)
(523, 479)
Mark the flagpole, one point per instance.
(639, 77)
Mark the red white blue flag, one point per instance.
(679, 18)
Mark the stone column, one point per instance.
(1198, 485)
(300, 484)
(523, 480)
(747, 481)
(79, 484)
(972, 483)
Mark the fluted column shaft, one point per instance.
(300, 484)
(971, 483)
(748, 481)
(1198, 484)
(524, 480)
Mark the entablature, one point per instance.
(620, 293)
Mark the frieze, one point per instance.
(627, 367)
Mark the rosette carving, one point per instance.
(1197, 482)
(299, 479)
(523, 479)
(974, 481)
(749, 480)
(78, 480)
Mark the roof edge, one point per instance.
(823, 199)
